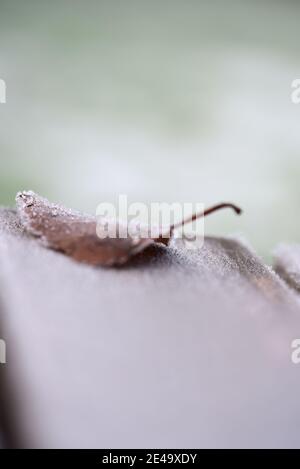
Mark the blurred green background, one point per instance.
(161, 100)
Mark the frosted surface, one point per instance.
(177, 349)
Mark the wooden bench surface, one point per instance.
(180, 348)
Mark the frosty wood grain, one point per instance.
(177, 349)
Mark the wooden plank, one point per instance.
(181, 348)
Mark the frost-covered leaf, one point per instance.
(75, 234)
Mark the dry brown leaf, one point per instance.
(75, 234)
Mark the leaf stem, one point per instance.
(207, 211)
